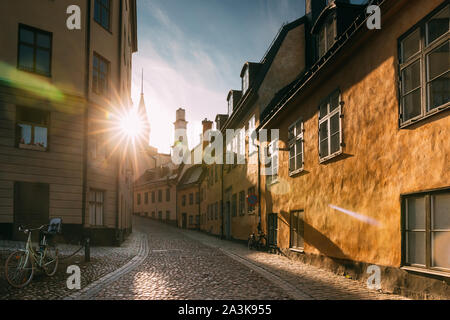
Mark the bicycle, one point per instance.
(21, 264)
(257, 242)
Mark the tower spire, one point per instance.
(142, 83)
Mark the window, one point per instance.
(216, 169)
(327, 36)
(425, 68)
(191, 198)
(183, 200)
(146, 198)
(197, 220)
(273, 163)
(230, 104)
(251, 192)
(35, 50)
(295, 143)
(234, 205)
(160, 215)
(167, 194)
(216, 211)
(242, 203)
(252, 148)
(427, 230)
(32, 128)
(100, 74)
(102, 13)
(159, 195)
(96, 207)
(297, 230)
(245, 81)
(242, 142)
(167, 215)
(138, 198)
(153, 197)
(330, 133)
(191, 220)
(197, 197)
(153, 214)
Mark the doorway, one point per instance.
(31, 207)
(272, 231)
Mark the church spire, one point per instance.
(142, 110)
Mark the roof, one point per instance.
(304, 78)
(265, 64)
(192, 176)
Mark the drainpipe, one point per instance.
(259, 190)
(86, 114)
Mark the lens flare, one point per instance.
(131, 125)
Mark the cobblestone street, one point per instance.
(189, 265)
(161, 262)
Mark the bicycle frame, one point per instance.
(30, 252)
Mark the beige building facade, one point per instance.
(62, 92)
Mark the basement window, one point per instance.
(425, 68)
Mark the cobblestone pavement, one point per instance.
(189, 265)
(104, 260)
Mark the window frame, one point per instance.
(291, 229)
(421, 56)
(95, 203)
(252, 136)
(33, 125)
(429, 229)
(97, 71)
(246, 81)
(109, 9)
(35, 47)
(327, 118)
(292, 142)
(273, 154)
(241, 208)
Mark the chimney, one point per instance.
(207, 125)
(220, 121)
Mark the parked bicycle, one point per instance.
(21, 264)
(257, 241)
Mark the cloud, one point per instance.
(178, 73)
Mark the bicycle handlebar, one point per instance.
(21, 228)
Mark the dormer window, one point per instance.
(326, 37)
(230, 104)
(245, 81)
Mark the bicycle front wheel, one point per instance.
(19, 269)
(50, 263)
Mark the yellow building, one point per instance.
(61, 92)
(363, 171)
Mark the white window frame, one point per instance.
(252, 148)
(230, 104)
(292, 143)
(327, 119)
(245, 81)
(274, 162)
(421, 57)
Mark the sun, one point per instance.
(131, 125)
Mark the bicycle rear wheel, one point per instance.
(19, 269)
(50, 263)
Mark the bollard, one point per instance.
(87, 250)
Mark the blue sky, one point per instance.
(192, 52)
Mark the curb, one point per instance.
(95, 287)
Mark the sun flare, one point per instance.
(131, 125)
